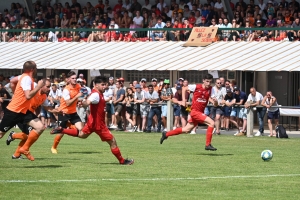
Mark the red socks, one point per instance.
(117, 153)
(177, 131)
(209, 132)
(71, 132)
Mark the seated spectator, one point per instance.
(126, 20)
(81, 33)
(177, 24)
(147, 5)
(226, 33)
(157, 35)
(4, 34)
(93, 37)
(192, 19)
(186, 34)
(169, 35)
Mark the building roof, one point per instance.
(250, 56)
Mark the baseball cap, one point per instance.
(258, 21)
(236, 88)
(166, 81)
(62, 83)
(143, 79)
(11, 77)
(228, 90)
(121, 79)
(39, 13)
(154, 79)
(111, 78)
(79, 80)
(137, 86)
(181, 79)
(178, 87)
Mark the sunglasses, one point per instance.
(219, 83)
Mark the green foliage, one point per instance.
(178, 169)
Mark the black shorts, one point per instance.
(129, 109)
(29, 116)
(10, 119)
(25, 128)
(63, 119)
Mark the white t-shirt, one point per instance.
(66, 94)
(88, 89)
(138, 21)
(148, 7)
(159, 6)
(55, 94)
(94, 98)
(126, 6)
(218, 94)
(218, 5)
(141, 95)
(258, 97)
(108, 94)
(25, 82)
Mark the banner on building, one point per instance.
(201, 36)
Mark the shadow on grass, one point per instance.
(221, 154)
(85, 152)
(115, 163)
(43, 166)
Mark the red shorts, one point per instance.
(197, 117)
(104, 133)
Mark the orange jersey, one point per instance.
(73, 91)
(36, 101)
(19, 103)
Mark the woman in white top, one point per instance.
(273, 113)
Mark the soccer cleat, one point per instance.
(14, 157)
(163, 137)
(27, 154)
(210, 148)
(127, 162)
(54, 151)
(56, 130)
(10, 138)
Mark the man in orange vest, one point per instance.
(17, 110)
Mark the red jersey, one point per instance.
(200, 98)
(96, 120)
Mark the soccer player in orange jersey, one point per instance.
(17, 110)
(96, 120)
(39, 99)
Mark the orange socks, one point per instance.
(209, 135)
(17, 152)
(32, 137)
(57, 140)
(20, 136)
(117, 153)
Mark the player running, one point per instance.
(202, 94)
(96, 120)
(39, 99)
(17, 110)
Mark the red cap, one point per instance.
(121, 79)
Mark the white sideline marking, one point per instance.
(148, 179)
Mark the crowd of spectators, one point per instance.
(126, 14)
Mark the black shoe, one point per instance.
(163, 137)
(10, 138)
(222, 128)
(56, 130)
(134, 128)
(14, 157)
(210, 148)
(127, 162)
(144, 130)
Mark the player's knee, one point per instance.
(40, 128)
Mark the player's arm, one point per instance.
(184, 98)
(13, 83)
(92, 99)
(272, 101)
(67, 98)
(263, 103)
(213, 100)
(31, 93)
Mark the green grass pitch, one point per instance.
(178, 169)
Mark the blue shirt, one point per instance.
(161, 25)
(240, 97)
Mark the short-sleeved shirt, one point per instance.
(258, 97)
(229, 98)
(151, 96)
(120, 92)
(107, 94)
(166, 92)
(94, 98)
(140, 95)
(218, 94)
(179, 96)
(241, 96)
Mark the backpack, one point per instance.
(280, 132)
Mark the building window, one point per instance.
(134, 75)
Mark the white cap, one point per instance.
(79, 80)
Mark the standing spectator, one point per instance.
(154, 84)
(140, 107)
(129, 100)
(108, 95)
(119, 97)
(229, 101)
(273, 113)
(241, 113)
(153, 98)
(143, 84)
(166, 95)
(180, 112)
(254, 99)
(218, 92)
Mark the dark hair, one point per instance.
(208, 76)
(100, 79)
(150, 86)
(29, 65)
(71, 73)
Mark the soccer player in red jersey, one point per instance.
(96, 119)
(202, 94)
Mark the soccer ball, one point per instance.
(266, 155)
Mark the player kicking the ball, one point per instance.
(202, 94)
(96, 120)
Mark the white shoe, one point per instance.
(140, 131)
(236, 133)
(165, 129)
(174, 128)
(113, 126)
(258, 134)
(193, 132)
